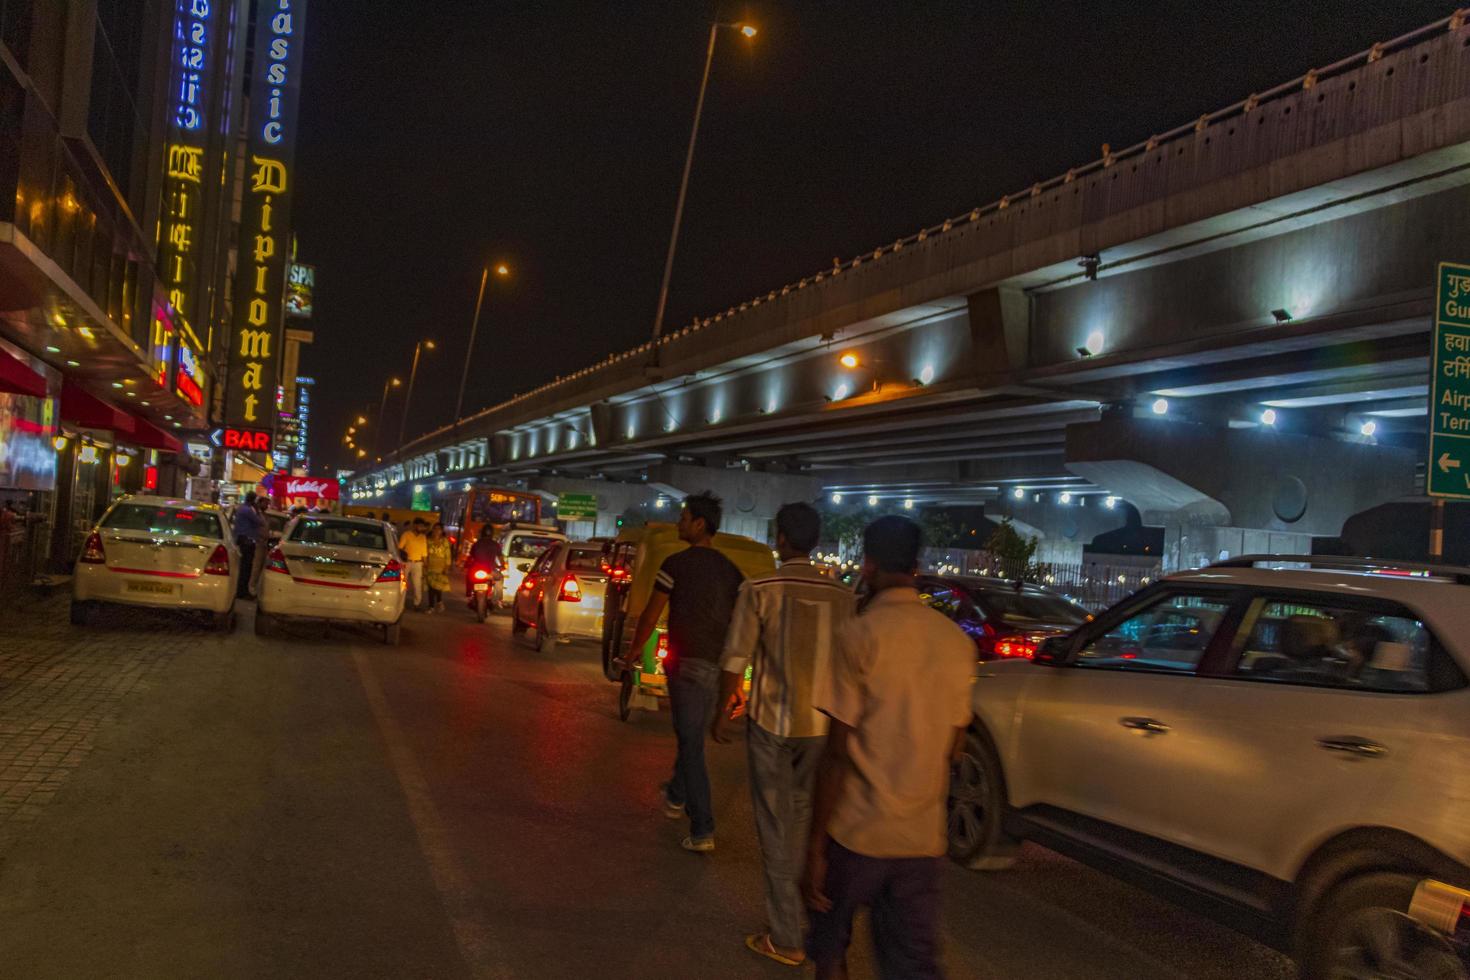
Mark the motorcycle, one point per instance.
(481, 582)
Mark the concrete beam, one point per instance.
(1250, 478)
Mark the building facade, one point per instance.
(120, 136)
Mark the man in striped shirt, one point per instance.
(783, 628)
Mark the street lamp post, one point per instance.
(502, 271)
(382, 404)
(413, 373)
(663, 290)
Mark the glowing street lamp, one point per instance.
(413, 374)
(382, 404)
(748, 31)
(502, 270)
(848, 361)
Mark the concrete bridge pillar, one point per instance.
(1221, 491)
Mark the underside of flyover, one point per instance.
(1227, 327)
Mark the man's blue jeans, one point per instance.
(694, 687)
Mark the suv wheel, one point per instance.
(976, 806)
(1362, 929)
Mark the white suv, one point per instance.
(1285, 748)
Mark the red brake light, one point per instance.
(219, 562)
(93, 554)
(1015, 647)
(528, 583)
(392, 572)
(277, 562)
(571, 589)
(663, 646)
(481, 575)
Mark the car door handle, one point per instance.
(1149, 726)
(1352, 745)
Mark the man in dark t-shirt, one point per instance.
(699, 585)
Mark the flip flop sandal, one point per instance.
(760, 942)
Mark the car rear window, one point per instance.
(584, 560)
(340, 534)
(529, 546)
(1019, 607)
(162, 520)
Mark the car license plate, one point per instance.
(151, 588)
(482, 586)
(332, 571)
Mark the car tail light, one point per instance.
(571, 589)
(528, 583)
(618, 574)
(663, 646)
(277, 562)
(480, 574)
(93, 554)
(219, 562)
(1015, 647)
(392, 572)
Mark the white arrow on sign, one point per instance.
(1447, 463)
(216, 436)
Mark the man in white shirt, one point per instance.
(783, 628)
(898, 699)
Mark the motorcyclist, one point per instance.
(484, 553)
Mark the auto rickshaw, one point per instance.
(633, 560)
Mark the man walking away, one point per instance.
(899, 701)
(414, 547)
(699, 586)
(262, 543)
(784, 629)
(249, 525)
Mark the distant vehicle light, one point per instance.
(481, 574)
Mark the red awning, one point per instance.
(17, 378)
(150, 436)
(85, 409)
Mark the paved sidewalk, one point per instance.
(60, 685)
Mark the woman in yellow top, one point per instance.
(436, 567)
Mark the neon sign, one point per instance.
(265, 221)
(189, 378)
(194, 30)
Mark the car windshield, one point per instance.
(341, 534)
(1035, 607)
(584, 560)
(162, 520)
(529, 546)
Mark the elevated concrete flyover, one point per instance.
(1277, 254)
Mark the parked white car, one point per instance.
(159, 552)
(561, 597)
(521, 545)
(1286, 748)
(337, 569)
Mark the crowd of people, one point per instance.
(852, 720)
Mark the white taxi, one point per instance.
(561, 597)
(521, 545)
(338, 569)
(159, 552)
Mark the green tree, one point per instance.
(1014, 551)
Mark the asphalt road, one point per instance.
(174, 803)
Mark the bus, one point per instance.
(466, 511)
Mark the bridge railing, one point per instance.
(1093, 584)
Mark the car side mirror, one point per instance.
(1052, 652)
(524, 566)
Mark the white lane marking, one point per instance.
(477, 946)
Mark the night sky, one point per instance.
(550, 135)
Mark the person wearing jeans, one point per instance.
(783, 630)
(693, 687)
(698, 586)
